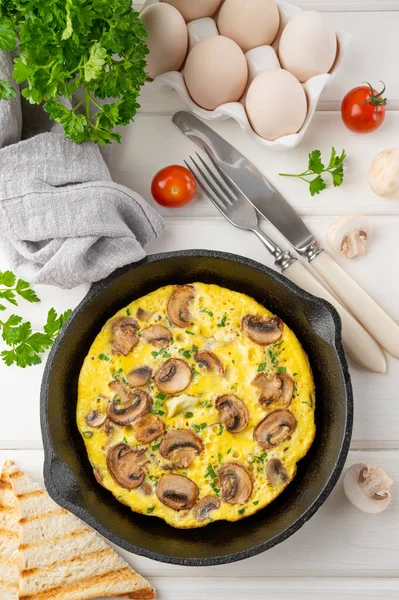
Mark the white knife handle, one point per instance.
(380, 325)
(358, 343)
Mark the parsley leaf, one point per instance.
(316, 167)
(96, 46)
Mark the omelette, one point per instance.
(195, 404)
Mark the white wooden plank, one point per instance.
(371, 55)
(339, 541)
(154, 142)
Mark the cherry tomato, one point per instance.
(363, 109)
(173, 186)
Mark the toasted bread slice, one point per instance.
(62, 558)
(10, 538)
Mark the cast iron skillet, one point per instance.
(69, 477)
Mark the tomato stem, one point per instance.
(376, 98)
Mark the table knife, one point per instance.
(272, 206)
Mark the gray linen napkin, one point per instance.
(63, 221)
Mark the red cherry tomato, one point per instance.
(363, 109)
(173, 186)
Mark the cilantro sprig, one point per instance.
(77, 50)
(317, 167)
(25, 345)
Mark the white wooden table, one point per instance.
(340, 552)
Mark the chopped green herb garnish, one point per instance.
(278, 344)
(128, 312)
(161, 396)
(189, 332)
(241, 511)
(210, 472)
(194, 349)
(294, 374)
(234, 386)
(124, 440)
(169, 322)
(281, 369)
(195, 372)
(186, 353)
(308, 403)
(161, 413)
(208, 312)
(228, 451)
(204, 403)
(88, 434)
(220, 458)
(255, 502)
(188, 415)
(154, 353)
(215, 488)
(233, 361)
(221, 428)
(104, 357)
(155, 447)
(259, 469)
(272, 356)
(261, 367)
(222, 322)
(150, 509)
(198, 428)
(261, 458)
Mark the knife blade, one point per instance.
(249, 180)
(269, 203)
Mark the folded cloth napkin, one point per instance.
(63, 221)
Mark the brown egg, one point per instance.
(195, 9)
(167, 39)
(250, 23)
(216, 72)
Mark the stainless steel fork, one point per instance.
(233, 205)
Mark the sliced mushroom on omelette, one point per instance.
(195, 404)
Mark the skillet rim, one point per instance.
(50, 455)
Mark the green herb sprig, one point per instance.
(85, 50)
(316, 167)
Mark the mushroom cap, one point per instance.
(233, 413)
(274, 429)
(126, 465)
(209, 361)
(123, 335)
(262, 330)
(181, 446)
(177, 492)
(178, 305)
(139, 377)
(148, 428)
(144, 315)
(173, 376)
(157, 335)
(278, 388)
(276, 471)
(133, 404)
(235, 482)
(384, 173)
(205, 506)
(95, 419)
(367, 489)
(349, 235)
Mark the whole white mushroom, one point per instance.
(367, 488)
(384, 174)
(349, 235)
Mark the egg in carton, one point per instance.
(259, 106)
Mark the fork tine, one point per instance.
(222, 174)
(232, 197)
(215, 201)
(216, 193)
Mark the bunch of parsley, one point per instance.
(24, 345)
(77, 49)
(316, 167)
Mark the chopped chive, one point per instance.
(222, 322)
(233, 361)
(161, 413)
(186, 353)
(221, 427)
(259, 469)
(188, 415)
(154, 353)
(211, 472)
(241, 511)
(228, 451)
(189, 332)
(220, 458)
(128, 312)
(161, 396)
(255, 502)
(169, 322)
(215, 488)
(88, 434)
(204, 403)
(104, 357)
(194, 349)
(278, 344)
(195, 372)
(124, 440)
(208, 312)
(261, 367)
(234, 386)
(281, 369)
(307, 404)
(294, 374)
(150, 509)
(155, 447)
(272, 356)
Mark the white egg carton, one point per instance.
(259, 59)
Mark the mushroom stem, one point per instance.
(375, 483)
